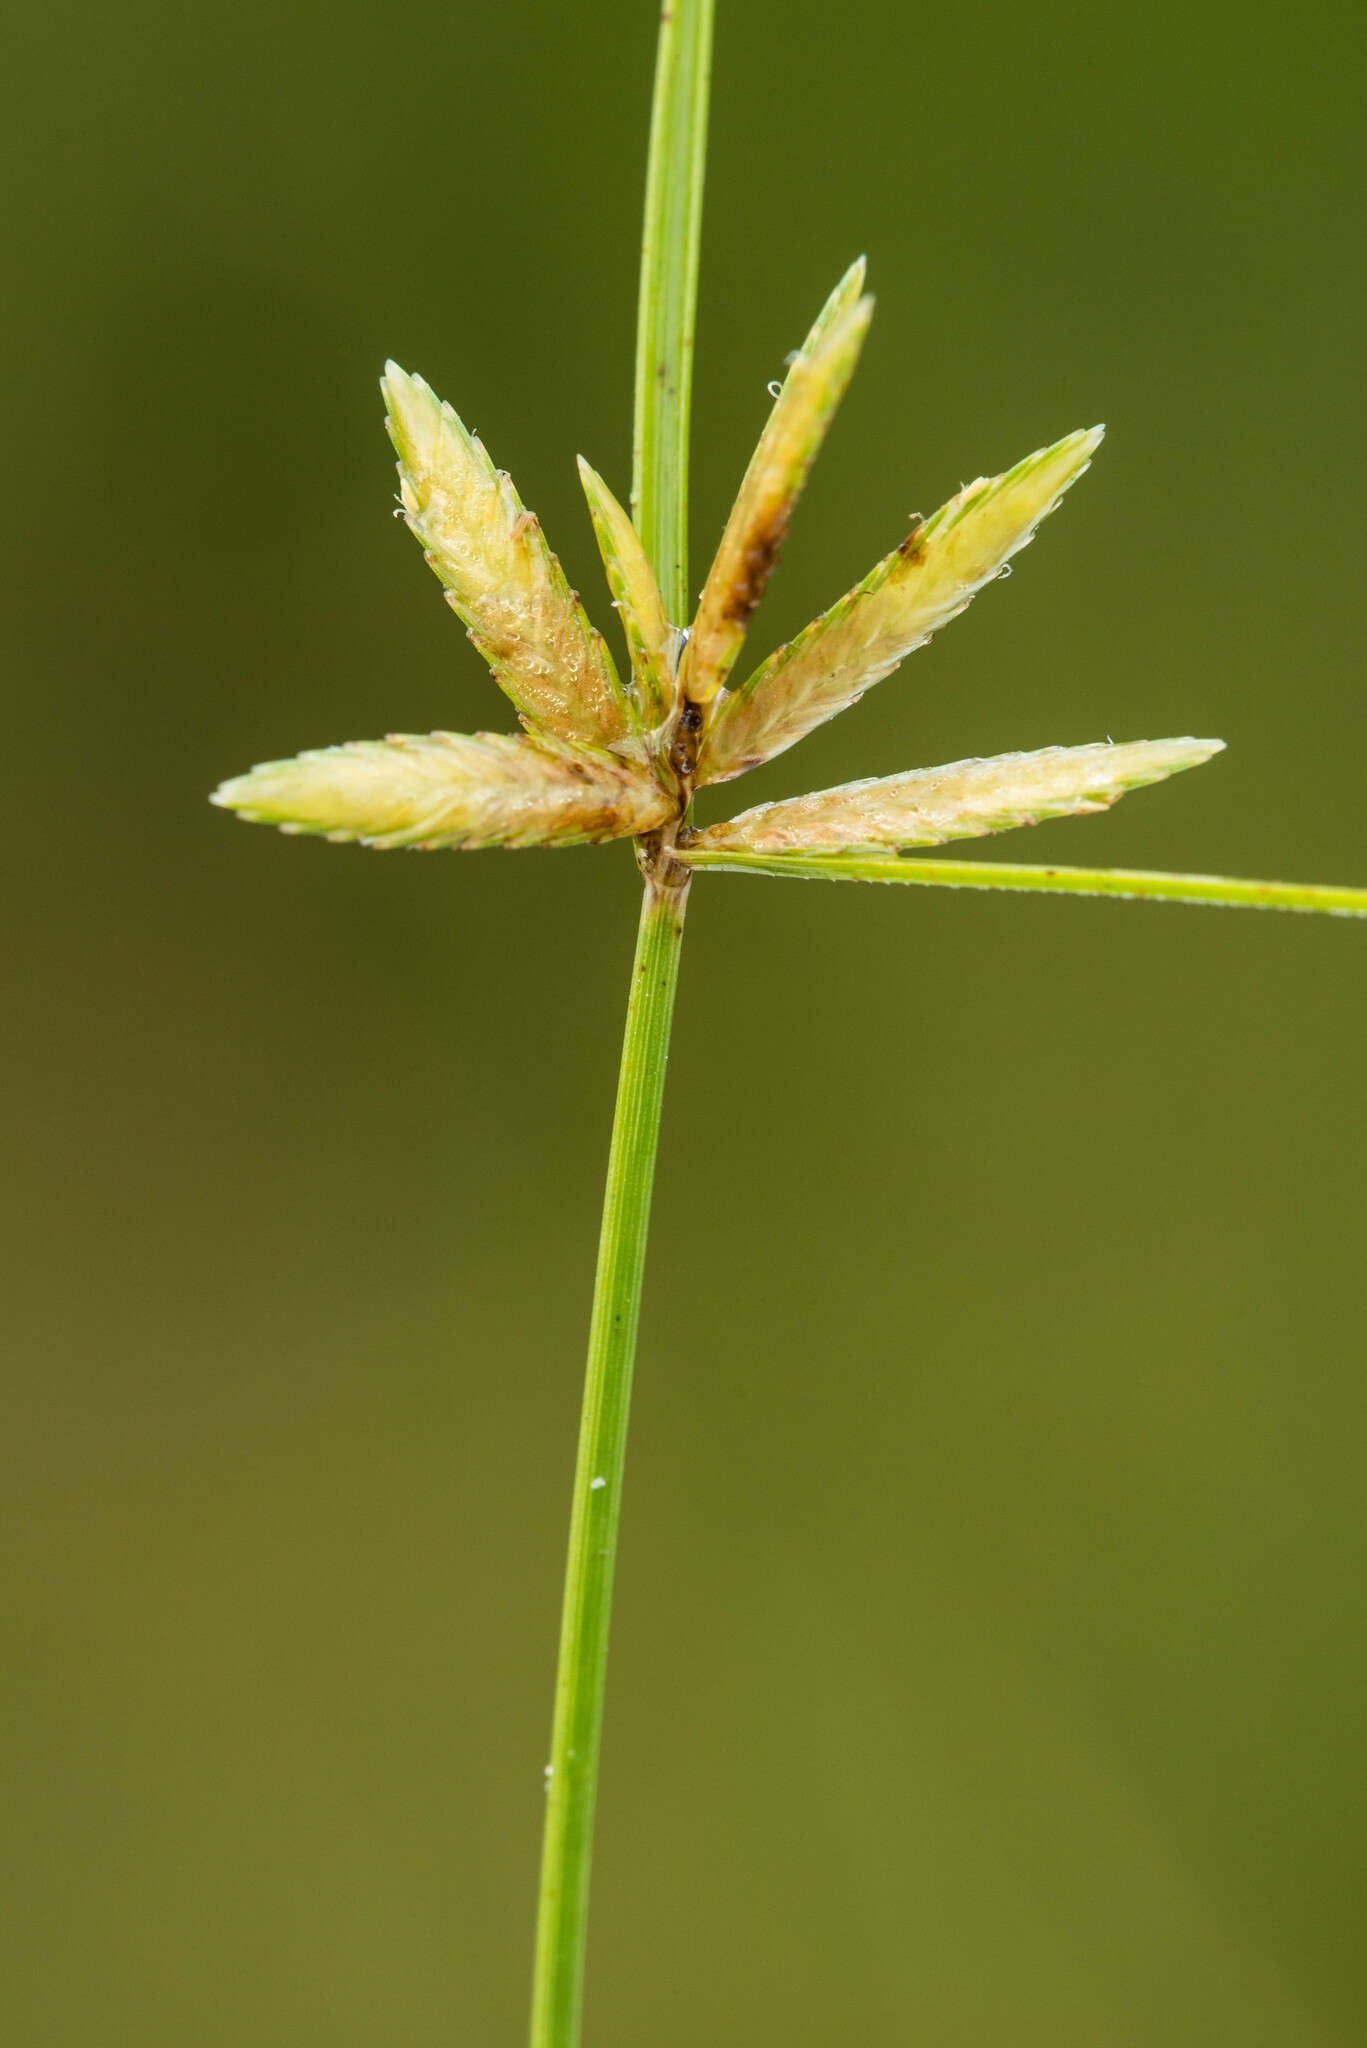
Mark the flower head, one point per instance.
(605, 759)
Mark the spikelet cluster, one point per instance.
(600, 758)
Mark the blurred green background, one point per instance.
(989, 1661)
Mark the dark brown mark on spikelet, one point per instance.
(757, 565)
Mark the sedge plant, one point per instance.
(609, 757)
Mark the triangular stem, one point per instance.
(664, 364)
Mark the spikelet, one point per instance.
(651, 640)
(450, 789)
(965, 800)
(912, 592)
(815, 384)
(500, 576)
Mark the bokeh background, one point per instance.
(989, 1662)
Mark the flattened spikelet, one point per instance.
(803, 410)
(965, 800)
(651, 640)
(912, 592)
(500, 576)
(450, 789)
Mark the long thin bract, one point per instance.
(1229, 891)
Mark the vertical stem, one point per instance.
(664, 364)
(572, 1776)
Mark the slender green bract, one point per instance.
(669, 294)
(1229, 890)
(572, 1775)
(664, 365)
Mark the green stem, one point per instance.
(664, 364)
(572, 1776)
(981, 874)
